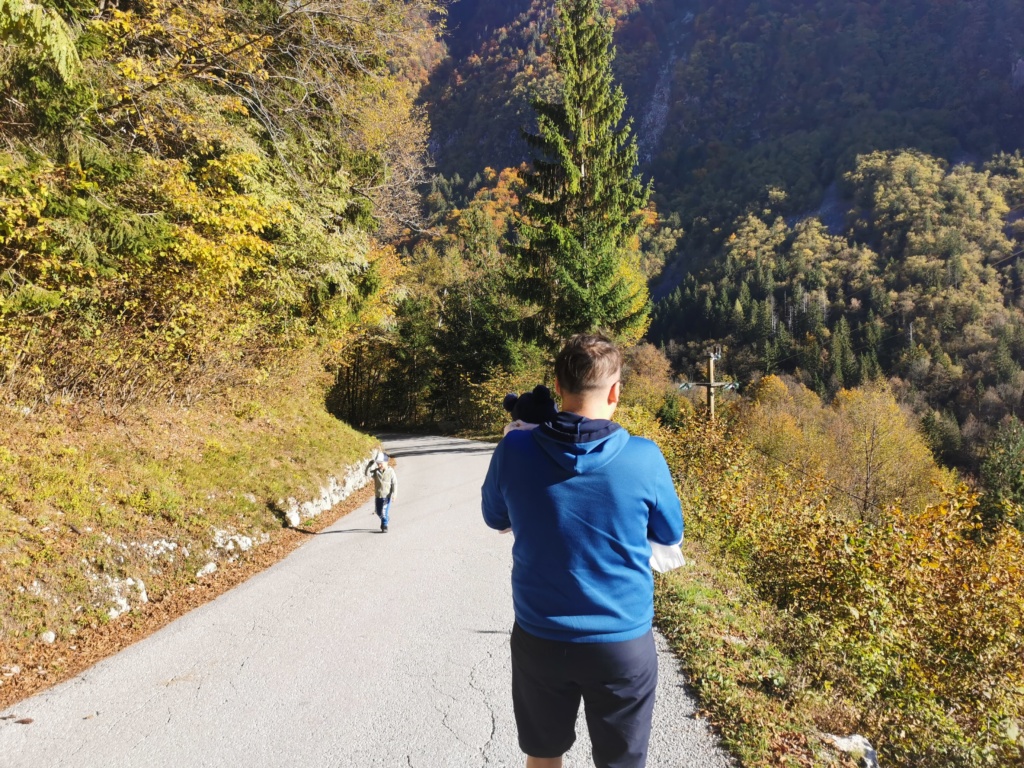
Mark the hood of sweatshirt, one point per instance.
(580, 445)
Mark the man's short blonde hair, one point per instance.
(586, 362)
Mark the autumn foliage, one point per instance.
(212, 184)
(913, 614)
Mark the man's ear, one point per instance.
(615, 392)
(558, 387)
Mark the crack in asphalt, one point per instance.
(441, 696)
(486, 702)
(131, 716)
(446, 712)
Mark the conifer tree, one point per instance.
(844, 363)
(33, 26)
(762, 323)
(581, 210)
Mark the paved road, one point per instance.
(358, 650)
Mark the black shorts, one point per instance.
(616, 682)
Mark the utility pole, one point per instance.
(711, 385)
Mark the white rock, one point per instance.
(206, 570)
(121, 605)
(143, 594)
(335, 492)
(48, 637)
(857, 746)
(157, 548)
(117, 594)
(229, 542)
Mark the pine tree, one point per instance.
(844, 363)
(33, 26)
(581, 210)
(762, 323)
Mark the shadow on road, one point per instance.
(346, 530)
(432, 445)
(434, 449)
(353, 530)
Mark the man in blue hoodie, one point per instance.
(583, 499)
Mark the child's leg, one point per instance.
(378, 504)
(385, 510)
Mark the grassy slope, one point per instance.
(728, 640)
(96, 511)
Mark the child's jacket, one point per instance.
(385, 483)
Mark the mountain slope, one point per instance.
(731, 97)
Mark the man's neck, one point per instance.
(596, 403)
(588, 410)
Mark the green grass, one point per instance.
(730, 643)
(82, 496)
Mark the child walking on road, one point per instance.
(385, 487)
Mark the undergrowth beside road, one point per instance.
(755, 695)
(903, 626)
(101, 516)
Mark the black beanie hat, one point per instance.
(534, 407)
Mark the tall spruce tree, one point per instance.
(581, 213)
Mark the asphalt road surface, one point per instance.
(360, 649)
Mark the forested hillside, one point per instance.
(844, 174)
(223, 241)
(197, 203)
(731, 98)
(189, 187)
(923, 286)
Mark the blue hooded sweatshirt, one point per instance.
(582, 498)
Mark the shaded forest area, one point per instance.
(759, 94)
